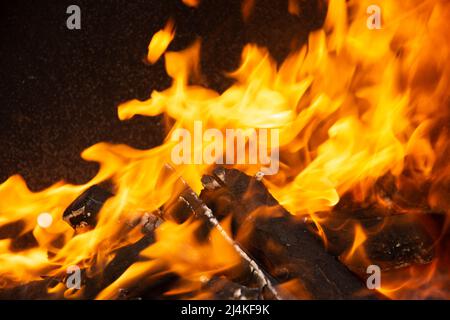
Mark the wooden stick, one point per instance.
(201, 209)
(281, 243)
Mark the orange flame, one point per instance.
(191, 3)
(160, 41)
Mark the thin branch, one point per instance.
(200, 208)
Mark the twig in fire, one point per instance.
(191, 199)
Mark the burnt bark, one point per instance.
(393, 241)
(282, 243)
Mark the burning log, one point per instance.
(280, 242)
(274, 246)
(123, 258)
(83, 211)
(180, 207)
(82, 214)
(199, 208)
(29, 291)
(393, 241)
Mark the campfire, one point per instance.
(325, 176)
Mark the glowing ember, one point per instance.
(191, 3)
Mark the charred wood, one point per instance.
(280, 242)
(82, 213)
(393, 241)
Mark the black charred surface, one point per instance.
(123, 259)
(282, 244)
(395, 241)
(82, 213)
(223, 289)
(29, 291)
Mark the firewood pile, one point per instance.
(281, 256)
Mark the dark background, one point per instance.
(60, 88)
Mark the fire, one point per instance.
(160, 42)
(294, 7)
(359, 238)
(178, 251)
(352, 106)
(191, 3)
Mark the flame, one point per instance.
(294, 7)
(160, 42)
(352, 106)
(359, 238)
(177, 250)
(191, 3)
